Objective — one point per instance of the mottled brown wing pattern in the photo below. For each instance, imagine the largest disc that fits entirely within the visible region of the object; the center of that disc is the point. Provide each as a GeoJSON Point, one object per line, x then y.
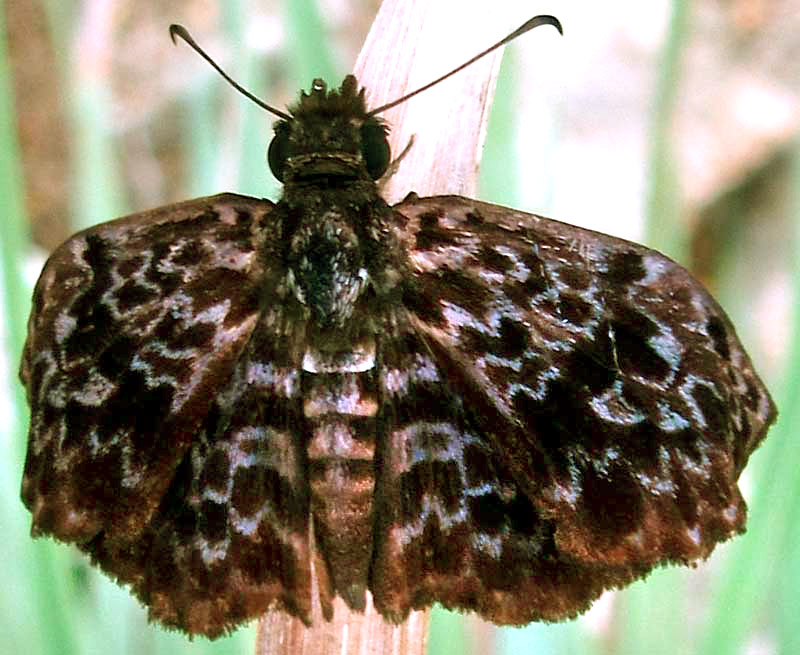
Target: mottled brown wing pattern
{"type": "Point", "coordinates": [564, 411]}
{"type": "Point", "coordinates": [162, 428]}
{"type": "Point", "coordinates": [446, 401]}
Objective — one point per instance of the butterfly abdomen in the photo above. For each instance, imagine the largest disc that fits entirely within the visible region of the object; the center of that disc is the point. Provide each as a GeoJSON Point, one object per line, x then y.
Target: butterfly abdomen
{"type": "Point", "coordinates": [340, 406]}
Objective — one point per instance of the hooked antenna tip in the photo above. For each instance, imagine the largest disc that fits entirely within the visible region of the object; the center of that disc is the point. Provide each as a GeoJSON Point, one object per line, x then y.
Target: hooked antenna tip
{"type": "Point", "coordinates": [179, 30]}
{"type": "Point", "coordinates": [536, 21]}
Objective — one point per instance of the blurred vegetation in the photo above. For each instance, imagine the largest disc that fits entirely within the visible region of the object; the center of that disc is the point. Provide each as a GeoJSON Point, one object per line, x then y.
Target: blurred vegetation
{"type": "Point", "coordinates": [178, 139]}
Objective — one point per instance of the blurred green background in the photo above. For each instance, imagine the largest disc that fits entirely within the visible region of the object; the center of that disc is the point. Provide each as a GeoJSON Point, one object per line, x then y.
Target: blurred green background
{"type": "Point", "coordinates": [101, 116]}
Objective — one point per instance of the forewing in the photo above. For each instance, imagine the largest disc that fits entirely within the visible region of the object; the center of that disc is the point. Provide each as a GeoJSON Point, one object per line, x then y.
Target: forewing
{"type": "Point", "coordinates": [610, 395]}
{"type": "Point", "coordinates": [149, 444]}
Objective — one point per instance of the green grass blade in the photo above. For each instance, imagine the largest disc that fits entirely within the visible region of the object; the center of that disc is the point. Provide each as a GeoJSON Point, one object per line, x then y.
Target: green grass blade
{"type": "Point", "coordinates": [446, 634]}
{"type": "Point", "coordinates": [311, 51]}
{"type": "Point", "coordinates": [97, 187]}
{"type": "Point", "coordinates": [759, 585]}
{"type": "Point", "coordinates": [788, 604]}
{"type": "Point", "coordinates": [251, 138]}
{"type": "Point", "coordinates": [32, 614]}
{"type": "Point", "coordinates": [499, 177]}
{"type": "Point", "coordinates": [664, 228]}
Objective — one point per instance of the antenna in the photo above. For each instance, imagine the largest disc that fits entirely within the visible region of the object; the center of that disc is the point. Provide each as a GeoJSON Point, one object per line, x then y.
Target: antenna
{"type": "Point", "coordinates": [536, 21]}
{"type": "Point", "coordinates": [181, 32]}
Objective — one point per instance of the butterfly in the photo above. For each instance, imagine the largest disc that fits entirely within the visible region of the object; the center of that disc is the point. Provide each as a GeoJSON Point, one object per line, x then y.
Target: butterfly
{"type": "Point", "coordinates": [442, 400]}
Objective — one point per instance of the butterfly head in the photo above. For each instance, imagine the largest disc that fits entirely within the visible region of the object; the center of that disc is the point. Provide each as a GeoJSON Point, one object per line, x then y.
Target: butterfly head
{"type": "Point", "coordinates": [330, 134]}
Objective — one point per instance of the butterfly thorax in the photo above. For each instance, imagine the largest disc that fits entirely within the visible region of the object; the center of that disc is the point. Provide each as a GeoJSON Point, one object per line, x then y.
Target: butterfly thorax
{"type": "Point", "coordinates": [328, 156]}
{"type": "Point", "coordinates": [326, 268]}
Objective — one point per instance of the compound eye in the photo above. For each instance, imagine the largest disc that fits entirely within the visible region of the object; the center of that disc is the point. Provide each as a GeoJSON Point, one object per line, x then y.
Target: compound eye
{"type": "Point", "coordinates": [375, 149]}
{"type": "Point", "coordinates": [278, 153]}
